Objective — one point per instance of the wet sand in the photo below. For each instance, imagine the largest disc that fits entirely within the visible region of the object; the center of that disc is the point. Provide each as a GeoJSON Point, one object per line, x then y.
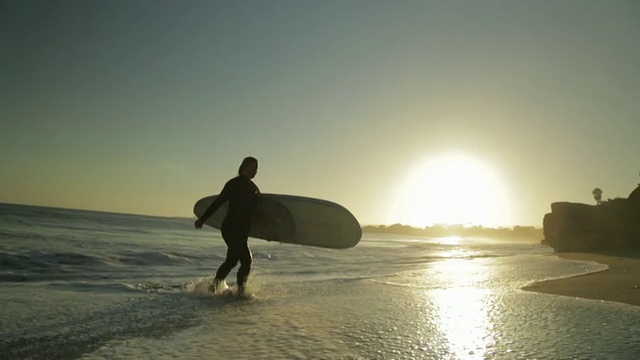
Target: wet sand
{"type": "Point", "coordinates": [620, 283]}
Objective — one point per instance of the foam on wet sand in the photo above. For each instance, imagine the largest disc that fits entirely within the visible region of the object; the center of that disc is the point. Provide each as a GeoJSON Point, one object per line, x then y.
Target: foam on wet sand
{"type": "Point", "coordinates": [619, 283]}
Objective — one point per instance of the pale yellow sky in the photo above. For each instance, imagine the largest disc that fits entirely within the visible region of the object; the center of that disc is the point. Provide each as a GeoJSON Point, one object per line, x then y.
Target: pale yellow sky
{"type": "Point", "coordinates": [141, 107]}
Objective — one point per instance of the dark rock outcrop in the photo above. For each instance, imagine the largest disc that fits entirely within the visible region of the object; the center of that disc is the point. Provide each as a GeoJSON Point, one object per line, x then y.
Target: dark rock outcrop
{"type": "Point", "coordinates": [581, 227]}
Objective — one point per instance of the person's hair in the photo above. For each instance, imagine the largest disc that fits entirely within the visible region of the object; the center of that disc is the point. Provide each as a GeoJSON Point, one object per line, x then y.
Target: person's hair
{"type": "Point", "coordinates": [246, 161]}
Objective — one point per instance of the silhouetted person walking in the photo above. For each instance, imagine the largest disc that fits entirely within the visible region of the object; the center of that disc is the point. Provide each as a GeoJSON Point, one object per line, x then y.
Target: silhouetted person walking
{"type": "Point", "coordinates": [242, 195]}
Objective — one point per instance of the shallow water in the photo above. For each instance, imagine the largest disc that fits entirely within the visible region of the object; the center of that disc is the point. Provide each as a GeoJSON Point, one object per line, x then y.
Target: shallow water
{"type": "Point", "coordinates": [95, 285]}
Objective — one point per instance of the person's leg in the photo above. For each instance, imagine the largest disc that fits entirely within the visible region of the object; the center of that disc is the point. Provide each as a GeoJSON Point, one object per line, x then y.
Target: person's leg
{"type": "Point", "coordinates": [244, 254]}
{"type": "Point", "coordinates": [230, 261]}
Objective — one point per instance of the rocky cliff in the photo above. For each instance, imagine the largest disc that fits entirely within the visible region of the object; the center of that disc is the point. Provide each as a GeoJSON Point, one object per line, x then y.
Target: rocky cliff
{"type": "Point", "coordinates": [581, 227]}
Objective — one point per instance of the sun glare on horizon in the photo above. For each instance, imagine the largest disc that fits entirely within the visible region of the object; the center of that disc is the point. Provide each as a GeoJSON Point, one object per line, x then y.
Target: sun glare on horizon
{"type": "Point", "coordinates": [451, 189]}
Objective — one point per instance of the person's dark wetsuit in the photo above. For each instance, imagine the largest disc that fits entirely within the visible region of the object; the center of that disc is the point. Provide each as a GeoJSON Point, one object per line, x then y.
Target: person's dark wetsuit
{"type": "Point", "coordinates": [242, 195]}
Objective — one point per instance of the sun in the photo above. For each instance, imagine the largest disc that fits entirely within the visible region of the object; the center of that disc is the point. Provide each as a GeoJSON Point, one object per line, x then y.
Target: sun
{"type": "Point", "coordinates": [451, 189]}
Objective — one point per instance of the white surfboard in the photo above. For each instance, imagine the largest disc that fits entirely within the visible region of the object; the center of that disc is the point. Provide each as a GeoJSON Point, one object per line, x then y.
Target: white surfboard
{"type": "Point", "coordinates": [295, 220]}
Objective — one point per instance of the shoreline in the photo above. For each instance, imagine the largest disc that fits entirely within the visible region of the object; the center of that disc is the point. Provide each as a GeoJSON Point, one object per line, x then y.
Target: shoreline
{"type": "Point", "coordinates": [619, 283]}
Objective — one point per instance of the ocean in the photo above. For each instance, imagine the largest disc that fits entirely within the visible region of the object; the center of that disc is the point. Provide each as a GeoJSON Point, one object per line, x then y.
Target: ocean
{"type": "Point", "coordinates": [92, 285]}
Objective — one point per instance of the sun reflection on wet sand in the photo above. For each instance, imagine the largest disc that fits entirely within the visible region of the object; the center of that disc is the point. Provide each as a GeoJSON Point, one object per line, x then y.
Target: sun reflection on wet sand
{"type": "Point", "coordinates": [463, 308]}
{"type": "Point", "coordinates": [450, 240]}
{"type": "Point", "coordinates": [463, 319]}
{"type": "Point", "coordinates": [460, 272]}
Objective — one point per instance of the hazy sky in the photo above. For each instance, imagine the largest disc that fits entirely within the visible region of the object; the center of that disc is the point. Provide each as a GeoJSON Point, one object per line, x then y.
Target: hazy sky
{"type": "Point", "coordinates": [146, 106]}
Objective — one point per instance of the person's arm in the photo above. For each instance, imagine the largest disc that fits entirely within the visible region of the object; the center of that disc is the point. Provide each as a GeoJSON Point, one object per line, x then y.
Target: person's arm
{"type": "Point", "coordinates": [215, 205]}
